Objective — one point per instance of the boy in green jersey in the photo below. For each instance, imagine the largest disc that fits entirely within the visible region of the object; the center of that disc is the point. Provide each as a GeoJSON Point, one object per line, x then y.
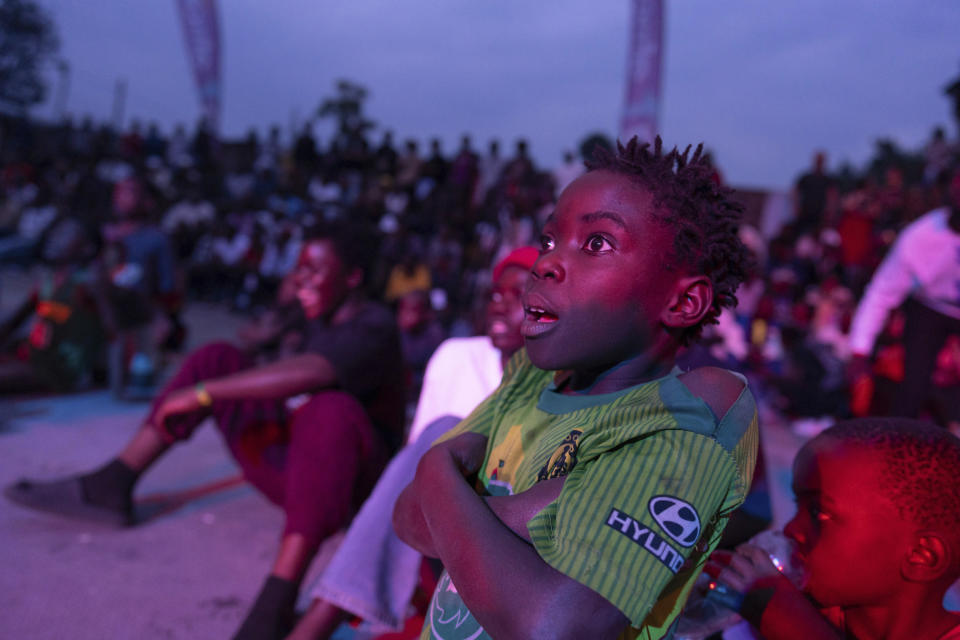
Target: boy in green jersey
{"type": "Point", "coordinates": [606, 475]}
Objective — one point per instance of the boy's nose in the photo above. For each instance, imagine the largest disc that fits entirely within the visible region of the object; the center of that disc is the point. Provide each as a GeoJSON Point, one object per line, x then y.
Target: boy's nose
{"type": "Point", "coordinates": [548, 266]}
{"type": "Point", "coordinates": [793, 531]}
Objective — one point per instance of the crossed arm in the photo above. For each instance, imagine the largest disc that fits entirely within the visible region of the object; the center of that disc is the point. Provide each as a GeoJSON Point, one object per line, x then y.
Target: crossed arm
{"type": "Point", "coordinates": [485, 547]}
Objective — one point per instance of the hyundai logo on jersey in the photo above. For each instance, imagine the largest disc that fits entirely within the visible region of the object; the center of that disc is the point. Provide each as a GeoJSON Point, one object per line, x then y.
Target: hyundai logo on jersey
{"type": "Point", "coordinates": [677, 518]}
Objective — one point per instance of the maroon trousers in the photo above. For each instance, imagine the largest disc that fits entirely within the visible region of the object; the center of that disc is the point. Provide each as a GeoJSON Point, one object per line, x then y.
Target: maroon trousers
{"type": "Point", "coordinates": [317, 462]}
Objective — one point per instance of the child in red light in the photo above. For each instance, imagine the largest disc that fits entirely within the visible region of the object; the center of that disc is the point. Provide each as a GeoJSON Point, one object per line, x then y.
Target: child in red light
{"type": "Point", "coordinates": [877, 531]}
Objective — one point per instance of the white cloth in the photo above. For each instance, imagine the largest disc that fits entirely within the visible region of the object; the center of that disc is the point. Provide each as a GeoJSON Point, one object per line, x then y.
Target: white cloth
{"type": "Point", "coordinates": [278, 261]}
{"type": "Point", "coordinates": [35, 220]}
{"type": "Point", "coordinates": [460, 374]}
{"type": "Point", "coordinates": [733, 339]}
{"type": "Point", "coordinates": [923, 263]}
{"type": "Point", "coordinates": [231, 250]}
{"type": "Point", "coordinates": [188, 214]}
{"type": "Point", "coordinates": [322, 191]}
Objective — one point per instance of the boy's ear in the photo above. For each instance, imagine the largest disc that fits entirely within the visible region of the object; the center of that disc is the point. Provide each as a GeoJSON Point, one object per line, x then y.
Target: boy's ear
{"type": "Point", "coordinates": [928, 558]}
{"type": "Point", "coordinates": [689, 303]}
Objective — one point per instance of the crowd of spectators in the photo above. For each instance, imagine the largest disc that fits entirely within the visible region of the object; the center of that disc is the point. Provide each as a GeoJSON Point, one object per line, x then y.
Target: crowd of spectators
{"type": "Point", "coordinates": [791, 329]}
{"type": "Point", "coordinates": [188, 217]}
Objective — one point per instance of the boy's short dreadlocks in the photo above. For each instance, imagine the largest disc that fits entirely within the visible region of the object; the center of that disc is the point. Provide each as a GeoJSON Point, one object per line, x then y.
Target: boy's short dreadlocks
{"type": "Point", "coordinates": [703, 216]}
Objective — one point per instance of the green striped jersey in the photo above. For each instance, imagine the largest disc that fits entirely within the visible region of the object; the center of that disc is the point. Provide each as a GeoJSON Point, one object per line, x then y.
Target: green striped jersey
{"type": "Point", "coordinates": [651, 479]}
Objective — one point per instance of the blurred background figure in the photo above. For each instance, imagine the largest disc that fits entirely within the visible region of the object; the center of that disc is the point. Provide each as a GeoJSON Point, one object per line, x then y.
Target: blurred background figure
{"type": "Point", "coordinates": [923, 269]}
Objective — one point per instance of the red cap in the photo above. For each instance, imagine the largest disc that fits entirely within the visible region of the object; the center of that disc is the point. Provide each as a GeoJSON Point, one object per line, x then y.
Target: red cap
{"type": "Point", "coordinates": [524, 257]}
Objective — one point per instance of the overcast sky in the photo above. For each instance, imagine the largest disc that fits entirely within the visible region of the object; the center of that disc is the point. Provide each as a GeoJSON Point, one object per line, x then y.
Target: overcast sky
{"type": "Point", "coordinates": [762, 83]}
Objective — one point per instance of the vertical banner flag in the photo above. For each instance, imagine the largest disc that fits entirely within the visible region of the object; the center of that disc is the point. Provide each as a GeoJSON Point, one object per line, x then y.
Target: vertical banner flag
{"type": "Point", "coordinates": [202, 33]}
{"type": "Point", "coordinates": [642, 104]}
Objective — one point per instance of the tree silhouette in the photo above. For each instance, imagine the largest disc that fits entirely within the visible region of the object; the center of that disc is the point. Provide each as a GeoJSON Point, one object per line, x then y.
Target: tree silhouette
{"type": "Point", "coordinates": [887, 154]}
{"type": "Point", "coordinates": [590, 143]}
{"type": "Point", "coordinates": [346, 108]}
{"type": "Point", "coordinates": [28, 40]}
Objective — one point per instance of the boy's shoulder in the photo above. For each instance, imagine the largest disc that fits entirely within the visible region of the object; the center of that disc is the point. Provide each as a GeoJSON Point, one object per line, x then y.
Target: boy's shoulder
{"type": "Point", "coordinates": [718, 388]}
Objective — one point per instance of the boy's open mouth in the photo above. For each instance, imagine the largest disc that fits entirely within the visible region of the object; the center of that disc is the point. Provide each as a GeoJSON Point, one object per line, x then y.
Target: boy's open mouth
{"type": "Point", "coordinates": [537, 321]}
{"type": "Point", "coordinates": [539, 314]}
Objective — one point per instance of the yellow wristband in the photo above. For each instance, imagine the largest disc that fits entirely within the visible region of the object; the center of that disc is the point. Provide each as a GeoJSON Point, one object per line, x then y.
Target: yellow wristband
{"type": "Point", "coordinates": [203, 396]}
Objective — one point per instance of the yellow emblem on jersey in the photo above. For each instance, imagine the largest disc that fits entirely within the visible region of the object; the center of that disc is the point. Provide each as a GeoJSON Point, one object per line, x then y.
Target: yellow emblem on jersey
{"type": "Point", "coordinates": [504, 460]}
{"type": "Point", "coordinates": [563, 459]}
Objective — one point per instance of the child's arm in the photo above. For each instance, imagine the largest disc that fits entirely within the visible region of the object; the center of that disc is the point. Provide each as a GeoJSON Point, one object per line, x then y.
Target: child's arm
{"type": "Point", "coordinates": [517, 510]}
{"type": "Point", "coordinates": [771, 602]}
{"type": "Point", "coordinates": [490, 564]}
{"type": "Point", "coordinates": [513, 511]}
{"type": "Point", "coordinates": [408, 520]}
{"type": "Point", "coordinates": [305, 373]}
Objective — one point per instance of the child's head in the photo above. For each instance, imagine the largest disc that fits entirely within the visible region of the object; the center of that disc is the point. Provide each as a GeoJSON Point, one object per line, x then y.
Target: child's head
{"type": "Point", "coordinates": [641, 251]}
{"type": "Point", "coordinates": [878, 511]}
{"type": "Point", "coordinates": [414, 311]}
{"type": "Point", "coordinates": [504, 313]}
{"type": "Point", "coordinates": [333, 263]}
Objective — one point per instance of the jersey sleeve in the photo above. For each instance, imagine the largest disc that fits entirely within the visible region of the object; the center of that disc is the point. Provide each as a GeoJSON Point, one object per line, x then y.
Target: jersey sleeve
{"type": "Point", "coordinates": [627, 521]}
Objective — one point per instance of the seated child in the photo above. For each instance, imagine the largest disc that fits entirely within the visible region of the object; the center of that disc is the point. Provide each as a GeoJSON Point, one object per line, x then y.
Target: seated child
{"type": "Point", "coordinates": [373, 574]}
{"type": "Point", "coordinates": [624, 469]}
{"type": "Point", "coordinates": [877, 532]}
{"type": "Point", "coordinates": [420, 335]}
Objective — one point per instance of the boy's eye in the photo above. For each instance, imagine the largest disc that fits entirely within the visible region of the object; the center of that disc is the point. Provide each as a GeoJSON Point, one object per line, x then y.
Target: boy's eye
{"type": "Point", "coordinates": [817, 513]}
{"type": "Point", "coordinates": [597, 244]}
{"type": "Point", "coordinates": [546, 243]}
